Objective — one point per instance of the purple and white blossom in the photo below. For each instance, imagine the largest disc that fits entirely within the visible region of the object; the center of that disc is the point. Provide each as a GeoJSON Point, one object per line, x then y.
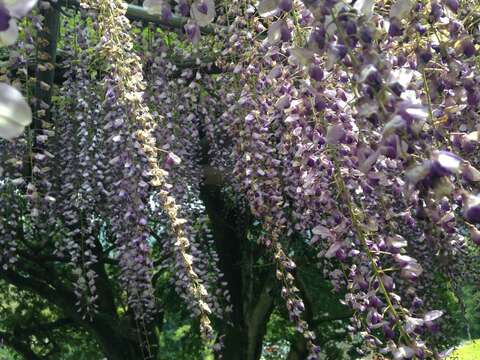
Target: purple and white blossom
{"type": "Point", "coordinates": [10, 12]}
{"type": "Point", "coordinates": [15, 113]}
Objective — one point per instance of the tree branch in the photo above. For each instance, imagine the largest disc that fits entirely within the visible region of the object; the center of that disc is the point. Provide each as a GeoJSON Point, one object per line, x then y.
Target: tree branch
{"type": "Point", "coordinates": [59, 323]}
{"type": "Point", "coordinates": [12, 341]}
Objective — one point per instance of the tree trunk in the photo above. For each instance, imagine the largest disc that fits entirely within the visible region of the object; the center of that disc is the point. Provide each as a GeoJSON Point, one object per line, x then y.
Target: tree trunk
{"type": "Point", "coordinates": [250, 291]}
{"type": "Point", "coordinates": [298, 349]}
{"type": "Point", "coordinates": [117, 338]}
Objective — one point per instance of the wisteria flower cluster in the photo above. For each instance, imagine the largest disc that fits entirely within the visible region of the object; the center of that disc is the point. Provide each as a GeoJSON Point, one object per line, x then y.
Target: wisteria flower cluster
{"type": "Point", "coordinates": [349, 128]}
{"type": "Point", "coordinates": [350, 113]}
{"type": "Point", "coordinates": [200, 14]}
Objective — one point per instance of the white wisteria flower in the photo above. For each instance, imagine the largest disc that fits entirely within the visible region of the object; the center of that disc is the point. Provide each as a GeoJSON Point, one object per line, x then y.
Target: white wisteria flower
{"type": "Point", "coordinates": [401, 9]}
{"type": "Point", "coordinates": [364, 7]}
{"type": "Point", "coordinates": [203, 12]}
{"type": "Point", "coordinates": [10, 10]}
{"type": "Point", "coordinates": [154, 7]}
{"type": "Point", "coordinates": [15, 114]}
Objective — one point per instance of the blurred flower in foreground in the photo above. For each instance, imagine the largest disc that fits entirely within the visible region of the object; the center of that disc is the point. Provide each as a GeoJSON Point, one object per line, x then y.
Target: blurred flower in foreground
{"type": "Point", "coordinates": [15, 113]}
{"type": "Point", "coordinates": [10, 10]}
{"type": "Point", "coordinates": [154, 7]}
{"type": "Point", "coordinates": [203, 12]}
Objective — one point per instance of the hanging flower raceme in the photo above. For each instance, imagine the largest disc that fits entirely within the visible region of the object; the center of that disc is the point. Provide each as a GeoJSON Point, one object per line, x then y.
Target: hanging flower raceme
{"type": "Point", "coordinates": [137, 160]}
{"type": "Point", "coordinates": [472, 208]}
{"type": "Point", "coordinates": [201, 12]}
{"type": "Point", "coordinates": [256, 129]}
{"type": "Point", "coordinates": [336, 129]}
{"type": "Point", "coordinates": [378, 90]}
{"type": "Point", "coordinates": [78, 145]}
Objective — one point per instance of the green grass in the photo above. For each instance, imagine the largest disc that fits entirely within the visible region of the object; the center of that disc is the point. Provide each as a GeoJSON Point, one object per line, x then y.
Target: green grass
{"type": "Point", "coordinates": [468, 351]}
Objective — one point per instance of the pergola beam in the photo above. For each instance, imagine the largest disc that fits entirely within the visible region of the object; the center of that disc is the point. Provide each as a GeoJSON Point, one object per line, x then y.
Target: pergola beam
{"type": "Point", "coordinates": [138, 13]}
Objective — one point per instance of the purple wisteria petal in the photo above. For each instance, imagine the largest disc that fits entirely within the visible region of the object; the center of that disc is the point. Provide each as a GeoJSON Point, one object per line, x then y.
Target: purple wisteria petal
{"type": "Point", "coordinates": [184, 8]}
{"type": "Point", "coordinates": [172, 160]}
{"type": "Point", "coordinates": [396, 123]}
{"type": "Point", "coordinates": [275, 31]}
{"type": "Point", "coordinates": [474, 235]}
{"type": "Point", "coordinates": [203, 12]}
{"type": "Point", "coordinates": [302, 56]}
{"type": "Point", "coordinates": [453, 5]}
{"type": "Point", "coordinates": [412, 323]}
{"type": "Point", "coordinates": [468, 48]}
{"type": "Point", "coordinates": [411, 271]}
{"type": "Point", "coordinates": [433, 315]}
{"type": "Point", "coordinates": [397, 242]}
{"type": "Point", "coordinates": [403, 352]}
{"type": "Point", "coordinates": [470, 173]}
{"type": "Point", "coordinates": [267, 8]}
{"type": "Point", "coordinates": [322, 231]}
{"type": "Point", "coordinates": [335, 133]}
{"type": "Point", "coordinates": [364, 7]}
{"type": "Point", "coordinates": [285, 5]}
{"type": "Point", "coordinates": [447, 161]}
{"type": "Point", "coordinates": [471, 208]}
{"type": "Point", "coordinates": [193, 32]}
{"type": "Point", "coordinates": [4, 18]}
{"type": "Point", "coordinates": [402, 76]}
{"type": "Point", "coordinates": [401, 8]}
{"type": "Point", "coordinates": [333, 249]}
